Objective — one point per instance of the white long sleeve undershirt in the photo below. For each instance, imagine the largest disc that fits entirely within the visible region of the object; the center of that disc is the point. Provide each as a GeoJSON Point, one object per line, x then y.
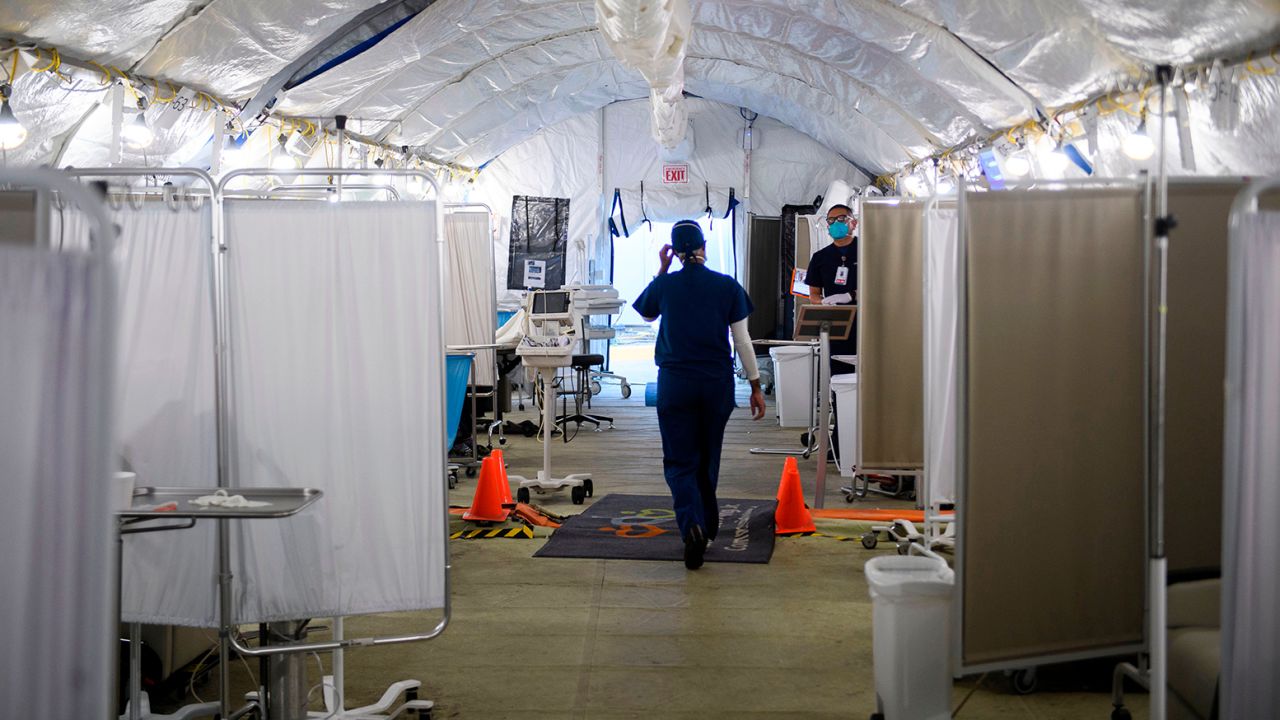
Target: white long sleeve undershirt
{"type": "Point", "coordinates": [746, 353]}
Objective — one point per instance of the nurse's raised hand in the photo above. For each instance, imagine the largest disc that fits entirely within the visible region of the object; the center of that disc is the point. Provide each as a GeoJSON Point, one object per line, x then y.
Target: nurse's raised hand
{"type": "Point", "coordinates": [664, 259]}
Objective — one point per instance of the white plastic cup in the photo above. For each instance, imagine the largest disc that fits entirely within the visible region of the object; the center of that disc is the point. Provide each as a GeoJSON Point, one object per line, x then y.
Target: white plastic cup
{"type": "Point", "coordinates": [122, 490]}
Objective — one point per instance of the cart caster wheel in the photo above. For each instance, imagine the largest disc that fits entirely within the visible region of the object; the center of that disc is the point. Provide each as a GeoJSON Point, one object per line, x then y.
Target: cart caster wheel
{"type": "Point", "coordinates": [626, 391]}
{"type": "Point", "coordinates": [1025, 681]}
{"type": "Point", "coordinates": [804, 439]}
{"type": "Point", "coordinates": [453, 481]}
{"type": "Point", "coordinates": [502, 441]}
{"type": "Point", "coordinates": [471, 472]}
{"type": "Point", "coordinates": [877, 716]}
{"type": "Point", "coordinates": [869, 540]}
{"type": "Point", "coordinates": [1121, 713]}
{"type": "Point", "coordinates": [522, 495]}
{"type": "Point", "coordinates": [595, 387]}
{"type": "Point", "coordinates": [578, 494]}
{"type": "Point", "coordinates": [849, 497]}
{"type": "Point", "coordinates": [904, 548]}
{"type": "Point", "coordinates": [589, 487]}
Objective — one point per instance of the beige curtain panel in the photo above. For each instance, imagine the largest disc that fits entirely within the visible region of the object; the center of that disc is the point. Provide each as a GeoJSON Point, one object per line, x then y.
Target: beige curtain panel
{"type": "Point", "coordinates": [891, 343]}
{"type": "Point", "coordinates": [1054, 516]}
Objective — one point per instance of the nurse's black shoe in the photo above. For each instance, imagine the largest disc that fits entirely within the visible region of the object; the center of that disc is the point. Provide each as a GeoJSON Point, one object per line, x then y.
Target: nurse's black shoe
{"type": "Point", "coordinates": [695, 545]}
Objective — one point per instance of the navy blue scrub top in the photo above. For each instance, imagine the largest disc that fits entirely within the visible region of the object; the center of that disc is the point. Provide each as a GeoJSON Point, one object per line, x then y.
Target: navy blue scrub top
{"type": "Point", "coordinates": [824, 265]}
{"type": "Point", "coordinates": [821, 273]}
{"type": "Point", "coordinates": [697, 306]}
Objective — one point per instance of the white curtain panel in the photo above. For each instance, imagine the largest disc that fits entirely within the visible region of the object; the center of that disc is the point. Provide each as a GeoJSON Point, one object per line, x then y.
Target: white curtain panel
{"type": "Point", "coordinates": [469, 287]}
{"type": "Point", "coordinates": [336, 356]}
{"type": "Point", "coordinates": [57, 553]}
{"type": "Point", "coordinates": [941, 362]}
{"type": "Point", "coordinates": [1251, 563]}
{"type": "Point", "coordinates": [165, 394]}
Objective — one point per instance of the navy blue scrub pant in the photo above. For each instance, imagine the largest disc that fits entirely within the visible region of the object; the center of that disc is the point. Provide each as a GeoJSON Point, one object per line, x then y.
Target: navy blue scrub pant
{"type": "Point", "coordinates": [692, 413]}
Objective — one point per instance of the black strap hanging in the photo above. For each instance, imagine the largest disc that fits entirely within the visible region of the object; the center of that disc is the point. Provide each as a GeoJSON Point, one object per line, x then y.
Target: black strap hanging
{"type": "Point", "coordinates": [711, 224]}
{"type": "Point", "coordinates": [732, 211]}
{"type": "Point", "coordinates": [644, 214]}
{"type": "Point", "coordinates": [621, 213]}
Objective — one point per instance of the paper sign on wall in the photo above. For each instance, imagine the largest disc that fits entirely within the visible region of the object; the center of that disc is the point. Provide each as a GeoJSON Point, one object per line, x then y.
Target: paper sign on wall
{"type": "Point", "coordinates": [675, 173]}
{"type": "Point", "coordinates": [535, 273]}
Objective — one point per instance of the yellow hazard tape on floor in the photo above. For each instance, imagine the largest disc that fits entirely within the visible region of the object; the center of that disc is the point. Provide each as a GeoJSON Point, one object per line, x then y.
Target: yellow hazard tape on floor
{"type": "Point", "coordinates": [492, 533]}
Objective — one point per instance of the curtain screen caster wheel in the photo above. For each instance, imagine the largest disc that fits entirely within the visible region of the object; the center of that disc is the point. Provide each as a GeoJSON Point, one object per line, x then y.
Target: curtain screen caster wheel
{"type": "Point", "coordinates": [502, 441]}
{"type": "Point", "coordinates": [626, 391]}
{"type": "Point", "coordinates": [578, 494]}
{"type": "Point", "coordinates": [589, 488]}
{"type": "Point", "coordinates": [877, 716]}
{"type": "Point", "coordinates": [904, 548]}
{"type": "Point", "coordinates": [471, 472]}
{"type": "Point", "coordinates": [804, 439]}
{"type": "Point", "coordinates": [1025, 681]}
{"type": "Point", "coordinates": [1121, 713]}
{"type": "Point", "coordinates": [453, 482]}
{"type": "Point", "coordinates": [869, 540]}
{"type": "Point", "coordinates": [522, 495]}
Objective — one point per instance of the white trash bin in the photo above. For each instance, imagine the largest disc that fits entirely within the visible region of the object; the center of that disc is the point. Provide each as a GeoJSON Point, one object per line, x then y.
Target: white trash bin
{"type": "Point", "coordinates": [845, 388]}
{"type": "Point", "coordinates": [793, 387]}
{"type": "Point", "coordinates": [910, 638]}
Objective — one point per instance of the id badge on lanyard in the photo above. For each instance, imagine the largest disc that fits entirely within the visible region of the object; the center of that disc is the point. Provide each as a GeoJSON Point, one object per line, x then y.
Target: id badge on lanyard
{"type": "Point", "coordinates": [842, 275]}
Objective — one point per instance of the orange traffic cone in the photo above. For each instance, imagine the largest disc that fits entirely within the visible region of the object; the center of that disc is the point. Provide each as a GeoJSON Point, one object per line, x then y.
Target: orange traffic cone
{"type": "Point", "coordinates": [792, 515]}
{"type": "Point", "coordinates": [505, 485]}
{"type": "Point", "coordinates": [486, 506]}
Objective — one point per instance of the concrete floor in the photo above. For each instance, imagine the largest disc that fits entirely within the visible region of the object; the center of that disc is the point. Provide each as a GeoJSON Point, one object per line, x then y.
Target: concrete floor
{"type": "Point", "coordinates": [552, 638]}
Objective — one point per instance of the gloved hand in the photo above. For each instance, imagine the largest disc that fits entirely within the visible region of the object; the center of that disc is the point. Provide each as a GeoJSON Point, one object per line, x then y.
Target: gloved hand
{"type": "Point", "coordinates": [841, 299]}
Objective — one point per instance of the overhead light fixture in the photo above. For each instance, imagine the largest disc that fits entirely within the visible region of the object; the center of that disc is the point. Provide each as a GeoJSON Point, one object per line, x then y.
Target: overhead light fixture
{"type": "Point", "coordinates": [137, 134]}
{"type": "Point", "coordinates": [282, 159]}
{"type": "Point", "coordinates": [1017, 165]}
{"type": "Point", "coordinates": [333, 196]}
{"type": "Point", "coordinates": [12, 133]}
{"type": "Point", "coordinates": [1138, 145]}
{"type": "Point", "coordinates": [1055, 162]}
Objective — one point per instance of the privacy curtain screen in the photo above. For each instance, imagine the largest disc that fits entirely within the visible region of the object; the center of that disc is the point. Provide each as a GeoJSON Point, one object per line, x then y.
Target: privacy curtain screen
{"type": "Point", "coordinates": [336, 358]}
{"type": "Point", "coordinates": [539, 231]}
{"type": "Point", "coordinates": [165, 395]}
{"type": "Point", "coordinates": [890, 344]}
{"type": "Point", "coordinates": [56, 529]}
{"type": "Point", "coordinates": [469, 287]}
{"type": "Point", "coordinates": [1053, 527]}
{"type": "Point", "coordinates": [942, 287]}
{"type": "Point", "coordinates": [1251, 563]}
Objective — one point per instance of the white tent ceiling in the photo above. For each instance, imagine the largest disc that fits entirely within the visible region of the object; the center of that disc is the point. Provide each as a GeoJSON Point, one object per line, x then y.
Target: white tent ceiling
{"type": "Point", "coordinates": [881, 82]}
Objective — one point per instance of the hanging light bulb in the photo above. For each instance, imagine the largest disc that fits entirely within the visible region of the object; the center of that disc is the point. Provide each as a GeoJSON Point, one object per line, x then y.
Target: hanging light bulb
{"type": "Point", "coordinates": [12, 133]}
{"type": "Point", "coordinates": [282, 159]}
{"type": "Point", "coordinates": [333, 196]}
{"type": "Point", "coordinates": [1017, 165]}
{"type": "Point", "coordinates": [137, 134]}
{"type": "Point", "coordinates": [1138, 145]}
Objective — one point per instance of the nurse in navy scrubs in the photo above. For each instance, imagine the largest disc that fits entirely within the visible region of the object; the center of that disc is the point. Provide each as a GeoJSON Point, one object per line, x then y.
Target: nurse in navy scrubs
{"type": "Point", "coordinates": [700, 309]}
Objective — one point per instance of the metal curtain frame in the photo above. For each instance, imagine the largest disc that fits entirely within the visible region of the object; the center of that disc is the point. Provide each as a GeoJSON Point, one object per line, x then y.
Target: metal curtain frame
{"type": "Point", "coordinates": [1246, 203]}
{"type": "Point", "coordinates": [135, 640]}
{"type": "Point", "coordinates": [102, 242]}
{"type": "Point", "coordinates": [917, 473]}
{"type": "Point", "coordinates": [962, 437]}
{"type": "Point", "coordinates": [924, 482]}
{"type": "Point", "coordinates": [492, 316]}
{"type": "Point", "coordinates": [223, 536]}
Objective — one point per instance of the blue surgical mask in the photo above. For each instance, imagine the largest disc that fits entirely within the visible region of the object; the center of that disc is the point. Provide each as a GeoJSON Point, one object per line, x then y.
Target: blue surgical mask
{"type": "Point", "coordinates": [838, 230]}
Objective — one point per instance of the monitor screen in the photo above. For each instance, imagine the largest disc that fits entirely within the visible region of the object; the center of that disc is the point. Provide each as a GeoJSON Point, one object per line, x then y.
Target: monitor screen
{"type": "Point", "coordinates": [550, 303]}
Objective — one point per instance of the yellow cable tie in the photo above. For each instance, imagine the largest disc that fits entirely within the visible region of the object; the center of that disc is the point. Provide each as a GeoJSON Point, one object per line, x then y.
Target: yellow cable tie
{"type": "Point", "coordinates": [1261, 70]}
{"type": "Point", "coordinates": [13, 72]}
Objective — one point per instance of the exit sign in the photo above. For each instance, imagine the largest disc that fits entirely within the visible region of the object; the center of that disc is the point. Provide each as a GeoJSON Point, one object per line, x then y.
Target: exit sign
{"type": "Point", "coordinates": [675, 174]}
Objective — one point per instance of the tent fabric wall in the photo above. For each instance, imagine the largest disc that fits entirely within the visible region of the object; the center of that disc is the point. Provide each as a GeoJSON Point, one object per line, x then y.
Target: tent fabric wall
{"type": "Point", "coordinates": [564, 161]}
{"type": "Point", "coordinates": [943, 285]}
{"type": "Point", "coordinates": [890, 336]}
{"type": "Point", "coordinates": [472, 317]}
{"type": "Point", "coordinates": [336, 363]}
{"type": "Point", "coordinates": [1251, 566]}
{"type": "Point", "coordinates": [56, 525]}
{"type": "Point", "coordinates": [1053, 426]}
